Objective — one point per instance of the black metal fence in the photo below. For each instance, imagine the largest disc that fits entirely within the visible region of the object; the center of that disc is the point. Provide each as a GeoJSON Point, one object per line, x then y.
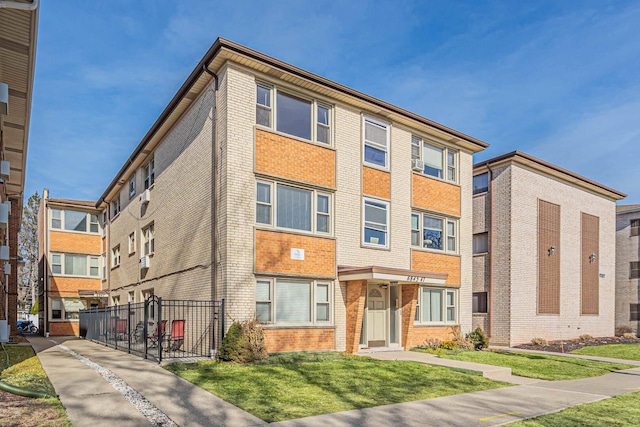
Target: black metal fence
{"type": "Point", "coordinates": [158, 328]}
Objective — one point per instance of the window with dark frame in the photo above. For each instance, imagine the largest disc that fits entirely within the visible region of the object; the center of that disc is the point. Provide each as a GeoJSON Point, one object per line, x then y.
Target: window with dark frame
{"type": "Point", "coordinates": [479, 302]}
{"type": "Point", "coordinates": [635, 227]}
{"type": "Point", "coordinates": [634, 310]}
{"type": "Point", "coordinates": [634, 267]}
{"type": "Point", "coordinates": [481, 183]}
{"type": "Point", "coordinates": [481, 243]}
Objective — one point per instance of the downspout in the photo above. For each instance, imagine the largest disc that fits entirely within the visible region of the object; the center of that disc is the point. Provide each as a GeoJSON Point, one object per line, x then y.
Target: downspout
{"type": "Point", "coordinates": [489, 243]}
{"type": "Point", "coordinates": [21, 6]}
{"type": "Point", "coordinates": [214, 185]}
{"type": "Point", "coordinates": [45, 262]}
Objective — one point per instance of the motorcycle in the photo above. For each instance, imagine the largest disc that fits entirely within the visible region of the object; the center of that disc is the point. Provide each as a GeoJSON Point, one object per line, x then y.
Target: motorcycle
{"type": "Point", "coordinates": [27, 326]}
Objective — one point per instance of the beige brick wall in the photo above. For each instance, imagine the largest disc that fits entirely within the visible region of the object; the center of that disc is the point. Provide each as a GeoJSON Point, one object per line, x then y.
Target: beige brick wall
{"type": "Point", "coordinates": [627, 250]}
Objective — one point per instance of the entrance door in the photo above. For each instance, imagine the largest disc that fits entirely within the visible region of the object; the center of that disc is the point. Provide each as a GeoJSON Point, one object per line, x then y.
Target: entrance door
{"type": "Point", "coordinates": [376, 317]}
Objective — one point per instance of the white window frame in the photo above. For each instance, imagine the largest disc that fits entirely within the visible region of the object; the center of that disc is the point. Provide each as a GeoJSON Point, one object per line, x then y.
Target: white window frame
{"type": "Point", "coordinates": [115, 207]}
{"type": "Point", "coordinates": [104, 222]}
{"type": "Point", "coordinates": [62, 264]}
{"type": "Point", "coordinates": [149, 173]}
{"type": "Point", "coordinates": [115, 256]}
{"type": "Point", "coordinates": [374, 145]}
{"type": "Point", "coordinates": [273, 206]}
{"type": "Point", "coordinates": [313, 301]}
{"type": "Point", "coordinates": [445, 232]}
{"type": "Point", "coordinates": [443, 310]}
{"type": "Point", "coordinates": [104, 266]}
{"type": "Point", "coordinates": [148, 240]}
{"type": "Point", "coordinates": [62, 219]}
{"type": "Point", "coordinates": [273, 113]}
{"type": "Point", "coordinates": [419, 143]}
{"type": "Point", "coordinates": [132, 243]}
{"type": "Point", "coordinates": [132, 186]}
{"type": "Point", "coordinates": [387, 233]}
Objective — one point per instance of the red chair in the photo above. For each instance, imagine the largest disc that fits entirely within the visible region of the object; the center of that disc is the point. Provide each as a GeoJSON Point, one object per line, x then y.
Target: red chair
{"type": "Point", "coordinates": [121, 328]}
{"type": "Point", "coordinates": [153, 338]}
{"type": "Point", "coordinates": [176, 337]}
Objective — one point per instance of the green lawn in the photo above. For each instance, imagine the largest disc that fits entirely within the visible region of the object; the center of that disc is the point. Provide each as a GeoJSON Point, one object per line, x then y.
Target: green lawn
{"type": "Point", "coordinates": [618, 351]}
{"type": "Point", "coordinates": [296, 385]}
{"type": "Point", "coordinates": [540, 366]}
{"type": "Point", "coordinates": [622, 410]}
{"type": "Point", "coordinates": [25, 370]}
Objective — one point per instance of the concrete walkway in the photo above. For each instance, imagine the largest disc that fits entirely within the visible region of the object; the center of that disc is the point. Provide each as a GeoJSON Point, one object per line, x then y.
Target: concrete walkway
{"type": "Point", "coordinates": [92, 401]}
{"type": "Point", "coordinates": [577, 356]}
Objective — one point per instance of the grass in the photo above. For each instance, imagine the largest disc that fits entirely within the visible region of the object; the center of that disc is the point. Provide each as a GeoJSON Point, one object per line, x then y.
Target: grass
{"type": "Point", "coordinates": [296, 385]}
{"type": "Point", "coordinates": [540, 366]}
{"type": "Point", "coordinates": [621, 410]}
{"type": "Point", "coordinates": [618, 351]}
{"type": "Point", "coordinates": [25, 371]}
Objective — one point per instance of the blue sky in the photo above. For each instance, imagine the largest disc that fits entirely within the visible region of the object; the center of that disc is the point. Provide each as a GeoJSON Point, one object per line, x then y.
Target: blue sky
{"type": "Point", "coordinates": [557, 80]}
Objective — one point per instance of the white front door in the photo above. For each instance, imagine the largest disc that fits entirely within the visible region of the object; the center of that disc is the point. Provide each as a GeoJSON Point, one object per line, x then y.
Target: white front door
{"type": "Point", "coordinates": [376, 316]}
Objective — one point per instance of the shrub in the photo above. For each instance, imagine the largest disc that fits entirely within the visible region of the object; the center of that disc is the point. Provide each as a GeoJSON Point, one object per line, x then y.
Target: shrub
{"type": "Point", "coordinates": [586, 337]}
{"type": "Point", "coordinates": [430, 343]}
{"type": "Point", "coordinates": [243, 343]}
{"type": "Point", "coordinates": [449, 345]}
{"type": "Point", "coordinates": [630, 335]}
{"type": "Point", "coordinates": [621, 330]}
{"type": "Point", "coordinates": [462, 342]}
{"type": "Point", "coordinates": [539, 341]}
{"type": "Point", "coordinates": [479, 338]}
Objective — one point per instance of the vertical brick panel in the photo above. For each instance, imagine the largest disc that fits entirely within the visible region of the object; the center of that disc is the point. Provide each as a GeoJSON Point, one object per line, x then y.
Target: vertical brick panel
{"type": "Point", "coordinates": [589, 295]}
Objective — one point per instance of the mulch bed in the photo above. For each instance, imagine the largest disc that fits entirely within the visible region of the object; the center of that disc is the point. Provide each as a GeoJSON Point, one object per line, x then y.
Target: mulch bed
{"type": "Point", "coordinates": [567, 346]}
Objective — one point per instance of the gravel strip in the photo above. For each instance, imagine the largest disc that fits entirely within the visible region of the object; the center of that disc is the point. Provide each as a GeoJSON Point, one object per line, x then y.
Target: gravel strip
{"type": "Point", "coordinates": [155, 416]}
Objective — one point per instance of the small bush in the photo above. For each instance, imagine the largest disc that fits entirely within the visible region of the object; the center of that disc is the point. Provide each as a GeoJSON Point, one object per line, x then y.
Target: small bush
{"type": "Point", "coordinates": [243, 343]}
{"type": "Point", "coordinates": [586, 337]}
{"type": "Point", "coordinates": [630, 335]}
{"type": "Point", "coordinates": [449, 345]}
{"type": "Point", "coordinates": [479, 338]}
{"type": "Point", "coordinates": [621, 330]}
{"type": "Point", "coordinates": [462, 342]}
{"type": "Point", "coordinates": [430, 343]}
{"type": "Point", "coordinates": [539, 341]}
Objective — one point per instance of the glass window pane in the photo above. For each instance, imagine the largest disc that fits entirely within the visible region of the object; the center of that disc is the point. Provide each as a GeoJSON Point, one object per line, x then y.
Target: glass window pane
{"type": "Point", "coordinates": [263, 96]}
{"type": "Point", "coordinates": [263, 116]}
{"type": "Point", "coordinates": [294, 208]}
{"type": "Point", "coordinates": [264, 193]}
{"type": "Point", "coordinates": [294, 116]}
{"type": "Point", "coordinates": [263, 311]}
{"type": "Point", "coordinates": [293, 301]}
{"type": "Point", "coordinates": [322, 134]}
{"type": "Point", "coordinates": [375, 134]}
{"type": "Point", "coordinates": [322, 293]}
{"type": "Point", "coordinates": [415, 148]}
{"type": "Point", "coordinates": [75, 264]}
{"type": "Point", "coordinates": [432, 157]}
{"type": "Point", "coordinates": [263, 214]}
{"type": "Point", "coordinates": [322, 312]}
{"type": "Point", "coordinates": [481, 183]}
{"type": "Point", "coordinates": [432, 233]}
{"type": "Point", "coordinates": [480, 243]}
{"type": "Point", "coordinates": [323, 204]}
{"type": "Point", "coordinates": [415, 220]}
{"type": "Point", "coordinates": [323, 223]}
{"type": "Point", "coordinates": [375, 156]}
{"type": "Point", "coordinates": [323, 115]}
{"type": "Point", "coordinates": [450, 298]}
{"type": "Point", "coordinates": [375, 237]}
{"type": "Point", "coordinates": [376, 213]}
{"type": "Point", "coordinates": [56, 269]}
{"type": "Point", "coordinates": [263, 291]}
{"type": "Point", "coordinates": [56, 218]}
{"type": "Point", "coordinates": [415, 237]}
{"type": "Point", "coordinates": [431, 305]}
{"type": "Point", "coordinates": [75, 221]}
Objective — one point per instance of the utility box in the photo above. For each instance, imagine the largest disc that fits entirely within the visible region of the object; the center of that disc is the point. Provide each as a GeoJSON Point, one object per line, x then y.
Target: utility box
{"type": "Point", "coordinates": [4, 215]}
{"type": "Point", "coordinates": [4, 331]}
{"type": "Point", "coordinates": [4, 253]}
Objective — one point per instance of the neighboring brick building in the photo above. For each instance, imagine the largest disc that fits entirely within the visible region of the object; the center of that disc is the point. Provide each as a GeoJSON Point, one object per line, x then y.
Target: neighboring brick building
{"type": "Point", "coordinates": [317, 208]}
{"type": "Point", "coordinates": [628, 267]}
{"type": "Point", "coordinates": [544, 251]}
{"type": "Point", "coordinates": [69, 246]}
{"type": "Point", "coordinates": [18, 34]}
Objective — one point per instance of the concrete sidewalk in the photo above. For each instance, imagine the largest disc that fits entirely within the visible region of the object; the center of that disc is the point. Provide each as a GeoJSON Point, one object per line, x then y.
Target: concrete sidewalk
{"type": "Point", "coordinates": [576, 356]}
{"type": "Point", "coordinates": [91, 401]}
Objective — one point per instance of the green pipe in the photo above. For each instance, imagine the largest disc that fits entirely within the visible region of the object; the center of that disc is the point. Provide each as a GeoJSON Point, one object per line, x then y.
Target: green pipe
{"type": "Point", "coordinates": [23, 391]}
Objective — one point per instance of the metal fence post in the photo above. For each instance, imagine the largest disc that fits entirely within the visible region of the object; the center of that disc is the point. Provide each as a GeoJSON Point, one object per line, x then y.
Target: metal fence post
{"type": "Point", "coordinates": [160, 331]}
{"type": "Point", "coordinates": [145, 319]}
{"type": "Point", "coordinates": [129, 327]}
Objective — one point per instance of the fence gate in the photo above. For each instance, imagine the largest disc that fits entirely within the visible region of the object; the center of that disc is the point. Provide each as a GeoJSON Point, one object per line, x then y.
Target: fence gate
{"type": "Point", "coordinates": [158, 328]}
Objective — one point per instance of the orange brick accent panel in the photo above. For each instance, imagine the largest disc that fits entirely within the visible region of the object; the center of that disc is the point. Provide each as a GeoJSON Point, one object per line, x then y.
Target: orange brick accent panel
{"type": "Point", "coordinates": [437, 263]}
{"type": "Point", "coordinates": [421, 333]}
{"type": "Point", "coordinates": [409, 297]}
{"type": "Point", "coordinates": [435, 195]}
{"type": "Point", "coordinates": [64, 328]}
{"type": "Point", "coordinates": [356, 295]}
{"type": "Point", "coordinates": [303, 339]}
{"type": "Point", "coordinates": [293, 159]}
{"type": "Point", "coordinates": [273, 254]}
{"type": "Point", "coordinates": [68, 286]}
{"type": "Point", "coordinates": [376, 183]}
{"type": "Point", "coordinates": [75, 243]}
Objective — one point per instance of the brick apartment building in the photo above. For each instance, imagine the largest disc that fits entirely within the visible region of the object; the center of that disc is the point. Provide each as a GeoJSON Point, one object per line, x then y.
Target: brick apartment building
{"type": "Point", "coordinates": [339, 220]}
{"type": "Point", "coordinates": [544, 251]}
{"type": "Point", "coordinates": [628, 267]}
{"type": "Point", "coordinates": [70, 247]}
{"type": "Point", "coordinates": [18, 33]}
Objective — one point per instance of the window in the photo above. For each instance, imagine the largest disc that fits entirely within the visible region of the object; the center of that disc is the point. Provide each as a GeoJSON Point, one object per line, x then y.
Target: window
{"type": "Point", "coordinates": [293, 301]}
{"type": "Point", "coordinates": [115, 207]}
{"type": "Point", "coordinates": [635, 227]}
{"type": "Point", "coordinates": [428, 231]}
{"type": "Point", "coordinates": [479, 302]}
{"type": "Point", "coordinates": [132, 243]}
{"type": "Point", "coordinates": [149, 173]}
{"type": "Point", "coordinates": [439, 162]}
{"type": "Point", "coordinates": [104, 223]}
{"type": "Point", "coordinates": [132, 186]}
{"type": "Point", "coordinates": [634, 311]}
{"type": "Point", "coordinates": [436, 306]}
{"type": "Point", "coordinates": [66, 308]}
{"type": "Point", "coordinates": [75, 265]}
{"type": "Point", "coordinates": [56, 309]}
{"type": "Point", "coordinates": [148, 240]}
{"type": "Point", "coordinates": [56, 219]}
{"type": "Point", "coordinates": [481, 183]}
{"type": "Point", "coordinates": [131, 297]}
{"type": "Point", "coordinates": [376, 222]}
{"type": "Point", "coordinates": [634, 272]}
{"type": "Point", "coordinates": [116, 300]}
{"type": "Point", "coordinates": [94, 226]}
{"type": "Point", "coordinates": [115, 256]}
{"type": "Point", "coordinates": [481, 243]}
{"type": "Point", "coordinates": [297, 116]}
{"type": "Point", "coordinates": [376, 143]}
{"type": "Point", "coordinates": [295, 208]}
{"type": "Point", "coordinates": [104, 266]}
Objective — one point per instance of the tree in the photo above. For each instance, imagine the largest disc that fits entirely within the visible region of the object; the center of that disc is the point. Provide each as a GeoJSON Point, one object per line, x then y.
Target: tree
{"type": "Point", "coordinates": [28, 250]}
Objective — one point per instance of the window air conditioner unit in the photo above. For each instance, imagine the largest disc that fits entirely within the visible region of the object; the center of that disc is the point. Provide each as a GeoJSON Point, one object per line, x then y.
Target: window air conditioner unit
{"type": "Point", "coordinates": [7, 269]}
{"type": "Point", "coordinates": [4, 215]}
{"type": "Point", "coordinates": [145, 197]}
{"type": "Point", "coordinates": [417, 165]}
{"type": "Point", "coordinates": [5, 170]}
{"type": "Point", "coordinates": [4, 253]}
{"type": "Point", "coordinates": [4, 99]}
{"type": "Point", "coordinates": [144, 262]}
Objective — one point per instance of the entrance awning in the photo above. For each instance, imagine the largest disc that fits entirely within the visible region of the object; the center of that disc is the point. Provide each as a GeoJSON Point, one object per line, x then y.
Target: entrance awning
{"type": "Point", "coordinates": [388, 274]}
